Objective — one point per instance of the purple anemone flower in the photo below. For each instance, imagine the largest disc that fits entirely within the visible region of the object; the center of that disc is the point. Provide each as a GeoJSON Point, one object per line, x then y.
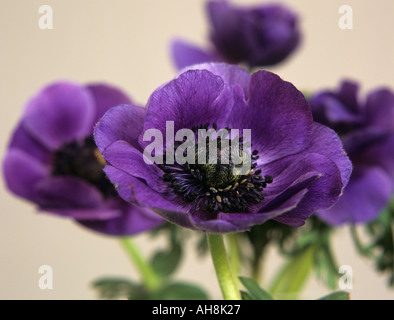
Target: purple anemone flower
{"type": "Point", "coordinates": [257, 36]}
{"type": "Point", "coordinates": [367, 132]}
{"type": "Point", "coordinates": [53, 161]}
{"type": "Point", "coordinates": [297, 166]}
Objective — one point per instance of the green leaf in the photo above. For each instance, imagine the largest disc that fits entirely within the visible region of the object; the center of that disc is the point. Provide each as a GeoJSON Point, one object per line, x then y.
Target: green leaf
{"type": "Point", "coordinates": [254, 290]}
{"type": "Point", "coordinates": [270, 232]}
{"type": "Point", "coordinates": [293, 276]}
{"type": "Point", "coordinates": [325, 265]}
{"type": "Point", "coordinates": [337, 295]}
{"type": "Point", "coordinates": [165, 262]}
{"type": "Point", "coordinates": [180, 291]}
{"type": "Point", "coordinates": [246, 296]}
{"type": "Point", "coordinates": [115, 288]}
{"type": "Point", "coordinates": [380, 247]}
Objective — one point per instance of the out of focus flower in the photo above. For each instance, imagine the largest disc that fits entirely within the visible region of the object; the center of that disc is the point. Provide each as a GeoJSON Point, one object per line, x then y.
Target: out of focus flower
{"type": "Point", "coordinates": [366, 129]}
{"type": "Point", "coordinates": [52, 159]}
{"type": "Point", "coordinates": [263, 35]}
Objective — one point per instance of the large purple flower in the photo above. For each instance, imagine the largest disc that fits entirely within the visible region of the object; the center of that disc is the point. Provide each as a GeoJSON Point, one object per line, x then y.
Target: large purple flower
{"type": "Point", "coordinates": [53, 161]}
{"type": "Point", "coordinates": [257, 36]}
{"type": "Point", "coordinates": [367, 132]}
{"type": "Point", "coordinates": [297, 166]}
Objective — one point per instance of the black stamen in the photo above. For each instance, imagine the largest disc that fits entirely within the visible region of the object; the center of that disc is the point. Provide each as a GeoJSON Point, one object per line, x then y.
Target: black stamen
{"type": "Point", "coordinates": [215, 187]}
{"type": "Point", "coordinates": [83, 160]}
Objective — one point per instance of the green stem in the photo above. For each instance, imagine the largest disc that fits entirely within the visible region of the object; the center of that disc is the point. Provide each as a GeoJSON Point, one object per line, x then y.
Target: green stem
{"type": "Point", "coordinates": [222, 267]}
{"type": "Point", "coordinates": [234, 256]}
{"type": "Point", "coordinates": [149, 277]}
{"type": "Point", "coordinates": [293, 275]}
{"type": "Point", "coordinates": [256, 270]}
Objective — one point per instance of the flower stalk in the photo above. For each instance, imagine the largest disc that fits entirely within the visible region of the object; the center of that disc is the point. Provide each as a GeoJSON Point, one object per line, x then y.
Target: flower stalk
{"type": "Point", "coordinates": [222, 267]}
{"type": "Point", "coordinates": [234, 256]}
{"type": "Point", "coordinates": [149, 277]}
{"type": "Point", "coordinates": [293, 276]}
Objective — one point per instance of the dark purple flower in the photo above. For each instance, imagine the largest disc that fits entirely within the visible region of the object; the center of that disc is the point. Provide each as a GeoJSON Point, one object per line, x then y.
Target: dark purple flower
{"type": "Point", "coordinates": [257, 36]}
{"type": "Point", "coordinates": [298, 166]}
{"type": "Point", "coordinates": [367, 132]}
{"type": "Point", "coordinates": [53, 161]}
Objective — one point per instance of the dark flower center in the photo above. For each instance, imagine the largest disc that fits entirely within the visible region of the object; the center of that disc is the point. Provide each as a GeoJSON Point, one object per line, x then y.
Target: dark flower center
{"type": "Point", "coordinates": [222, 186]}
{"type": "Point", "coordinates": [82, 159]}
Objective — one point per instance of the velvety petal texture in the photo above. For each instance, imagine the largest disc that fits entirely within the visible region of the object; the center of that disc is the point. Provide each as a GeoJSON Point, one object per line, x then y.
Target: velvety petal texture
{"type": "Point", "coordinates": [299, 166]}
{"type": "Point", "coordinates": [128, 118]}
{"type": "Point", "coordinates": [259, 35]}
{"type": "Point", "coordinates": [269, 96]}
{"type": "Point", "coordinates": [366, 129]}
{"type": "Point", "coordinates": [53, 162]}
{"type": "Point", "coordinates": [230, 74]}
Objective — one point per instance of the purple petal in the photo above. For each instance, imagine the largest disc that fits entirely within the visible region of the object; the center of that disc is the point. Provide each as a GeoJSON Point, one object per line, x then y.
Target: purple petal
{"type": "Point", "coordinates": [123, 122]}
{"type": "Point", "coordinates": [323, 191]}
{"type": "Point", "coordinates": [241, 222]}
{"type": "Point", "coordinates": [21, 140]}
{"type": "Point", "coordinates": [232, 75]}
{"type": "Point", "coordinates": [216, 226]}
{"type": "Point", "coordinates": [123, 156]}
{"type": "Point", "coordinates": [22, 172]}
{"type": "Point", "coordinates": [229, 222]}
{"type": "Point", "coordinates": [135, 190]}
{"type": "Point", "coordinates": [348, 92]}
{"type": "Point", "coordinates": [122, 182]}
{"type": "Point", "coordinates": [185, 54]}
{"type": "Point", "coordinates": [336, 111]}
{"type": "Point", "coordinates": [326, 142]}
{"type": "Point", "coordinates": [225, 32]}
{"type": "Point", "coordinates": [131, 220]}
{"type": "Point", "coordinates": [106, 97]}
{"type": "Point", "coordinates": [274, 197]}
{"type": "Point", "coordinates": [194, 98]}
{"type": "Point", "coordinates": [379, 154]}
{"type": "Point", "coordinates": [222, 16]}
{"type": "Point", "coordinates": [277, 114]}
{"type": "Point", "coordinates": [368, 192]}
{"type": "Point", "coordinates": [358, 141]}
{"type": "Point", "coordinates": [380, 109]}
{"type": "Point", "coordinates": [64, 192]}
{"type": "Point", "coordinates": [98, 213]}
{"type": "Point", "coordinates": [60, 113]}
{"type": "Point", "coordinates": [260, 35]}
{"type": "Point", "coordinates": [178, 217]}
{"type": "Point", "coordinates": [271, 33]}
{"type": "Point", "coordinates": [125, 186]}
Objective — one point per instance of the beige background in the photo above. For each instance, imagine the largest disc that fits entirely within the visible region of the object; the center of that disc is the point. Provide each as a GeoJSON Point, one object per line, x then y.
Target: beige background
{"type": "Point", "coordinates": [125, 43]}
